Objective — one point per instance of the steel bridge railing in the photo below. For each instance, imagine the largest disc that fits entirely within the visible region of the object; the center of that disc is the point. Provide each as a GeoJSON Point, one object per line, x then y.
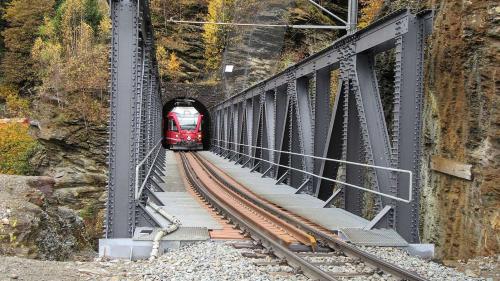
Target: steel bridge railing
{"type": "Point", "coordinates": [410, 174]}
{"type": "Point", "coordinates": [139, 187]}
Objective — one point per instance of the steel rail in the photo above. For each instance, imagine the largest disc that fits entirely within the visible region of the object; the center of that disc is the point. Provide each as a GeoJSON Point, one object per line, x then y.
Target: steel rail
{"type": "Point", "coordinates": [327, 238]}
{"type": "Point", "coordinates": [262, 237]}
{"type": "Point", "coordinates": [410, 198]}
{"type": "Point", "coordinates": [234, 198]}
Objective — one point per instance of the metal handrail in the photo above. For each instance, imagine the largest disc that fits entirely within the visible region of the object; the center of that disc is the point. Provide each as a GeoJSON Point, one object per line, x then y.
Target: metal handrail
{"type": "Point", "coordinates": [138, 190]}
{"type": "Point", "coordinates": [410, 173]}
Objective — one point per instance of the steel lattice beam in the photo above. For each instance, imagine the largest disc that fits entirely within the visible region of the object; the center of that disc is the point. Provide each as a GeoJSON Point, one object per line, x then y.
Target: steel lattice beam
{"type": "Point", "coordinates": [135, 119]}
{"type": "Point", "coordinates": [291, 111]}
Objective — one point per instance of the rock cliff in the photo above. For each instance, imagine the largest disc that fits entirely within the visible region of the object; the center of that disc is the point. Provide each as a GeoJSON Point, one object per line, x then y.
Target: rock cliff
{"type": "Point", "coordinates": [74, 155]}
{"type": "Point", "coordinates": [33, 223]}
{"type": "Point", "coordinates": [462, 123]}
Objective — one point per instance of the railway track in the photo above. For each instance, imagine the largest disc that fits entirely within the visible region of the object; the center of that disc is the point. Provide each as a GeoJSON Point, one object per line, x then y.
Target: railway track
{"type": "Point", "coordinates": [307, 247]}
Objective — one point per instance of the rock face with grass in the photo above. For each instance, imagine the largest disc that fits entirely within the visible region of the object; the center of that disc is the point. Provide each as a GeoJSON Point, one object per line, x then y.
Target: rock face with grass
{"type": "Point", "coordinates": [461, 122]}
{"type": "Point", "coordinates": [33, 224]}
{"type": "Point", "coordinates": [74, 155]}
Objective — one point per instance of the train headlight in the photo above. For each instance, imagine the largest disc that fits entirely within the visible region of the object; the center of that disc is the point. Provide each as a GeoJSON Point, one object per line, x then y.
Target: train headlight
{"type": "Point", "coordinates": [199, 136]}
{"type": "Point", "coordinates": [176, 136]}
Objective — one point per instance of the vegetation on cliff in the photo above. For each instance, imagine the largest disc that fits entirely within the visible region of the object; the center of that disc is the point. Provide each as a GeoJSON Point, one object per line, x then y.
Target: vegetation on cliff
{"type": "Point", "coordinates": [53, 65]}
{"type": "Point", "coordinates": [70, 57]}
{"type": "Point", "coordinates": [215, 36]}
{"type": "Point", "coordinates": [54, 69]}
{"type": "Point", "coordinates": [55, 52]}
{"type": "Point", "coordinates": [16, 148]}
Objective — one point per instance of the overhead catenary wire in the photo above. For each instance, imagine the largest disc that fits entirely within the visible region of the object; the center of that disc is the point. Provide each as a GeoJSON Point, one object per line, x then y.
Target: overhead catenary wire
{"type": "Point", "coordinates": [295, 26]}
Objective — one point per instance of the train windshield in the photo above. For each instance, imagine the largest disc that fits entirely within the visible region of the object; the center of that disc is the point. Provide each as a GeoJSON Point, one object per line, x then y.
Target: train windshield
{"type": "Point", "coordinates": [187, 116]}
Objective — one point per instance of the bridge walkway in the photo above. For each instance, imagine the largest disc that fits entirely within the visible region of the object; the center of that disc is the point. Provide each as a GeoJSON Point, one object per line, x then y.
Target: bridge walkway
{"type": "Point", "coordinates": [177, 201]}
{"type": "Point", "coordinates": [347, 225]}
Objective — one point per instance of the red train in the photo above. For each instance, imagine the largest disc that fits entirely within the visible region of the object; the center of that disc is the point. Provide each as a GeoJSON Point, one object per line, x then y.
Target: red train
{"type": "Point", "coordinates": [183, 129]}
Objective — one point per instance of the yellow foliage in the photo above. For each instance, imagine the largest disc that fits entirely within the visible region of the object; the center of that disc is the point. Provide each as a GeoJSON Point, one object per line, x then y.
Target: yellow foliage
{"type": "Point", "coordinates": [214, 36]}
{"type": "Point", "coordinates": [173, 66]}
{"type": "Point", "coordinates": [72, 62]}
{"type": "Point", "coordinates": [105, 28]}
{"type": "Point", "coordinates": [71, 24]}
{"type": "Point", "coordinates": [168, 65]}
{"type": "Point", "coordinates": [16, 147]}
{"type": "Point", "coordinates": [15, 105]}
{"type": "Point", "coordinates": [162, 58]}
{"type": "Point", "coordinates": [22, 22]}
{"type": "Point", "coordinates": [369, 12]}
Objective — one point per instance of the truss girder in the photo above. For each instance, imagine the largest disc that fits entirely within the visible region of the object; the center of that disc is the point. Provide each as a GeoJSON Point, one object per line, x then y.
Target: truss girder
{"type": "Point", "coordinates": [291, 111]}
{"type": "Point", "coordinates": [135, 113]}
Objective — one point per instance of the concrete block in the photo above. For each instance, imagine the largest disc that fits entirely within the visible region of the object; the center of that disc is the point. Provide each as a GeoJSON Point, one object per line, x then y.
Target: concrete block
{"type": "Point", "coordinates": [425, 251]}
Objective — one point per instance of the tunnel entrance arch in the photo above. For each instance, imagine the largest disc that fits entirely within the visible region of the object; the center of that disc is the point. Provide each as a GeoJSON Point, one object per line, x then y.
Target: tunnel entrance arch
{"type": "Point", "coordinates": [205, 96]}
{"type": "Point", "coordinates": [200, 107]}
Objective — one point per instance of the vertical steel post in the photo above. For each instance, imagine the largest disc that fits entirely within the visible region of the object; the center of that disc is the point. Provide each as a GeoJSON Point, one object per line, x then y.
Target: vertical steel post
{"type": "Point", "coordinates": [352, 16]}
{"type": "Point", "coordinates": [122, 154]}
{"type": "Point", "coordinates": [321, 118]}
{"type": "Point", "coordinates": [409, 133]}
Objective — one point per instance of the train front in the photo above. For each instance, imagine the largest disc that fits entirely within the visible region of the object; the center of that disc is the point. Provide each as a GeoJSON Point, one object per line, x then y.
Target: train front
{"type": "Point", "coordinates": [184, 129]}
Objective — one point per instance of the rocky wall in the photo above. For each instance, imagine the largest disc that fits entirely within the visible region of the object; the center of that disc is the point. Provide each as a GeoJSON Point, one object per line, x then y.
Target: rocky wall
{"type": "Point", "coordinates": [74, 155]}
{"type": "Point", "coordinates": [33, 224]}
{"type": "Point", "coordinates": [462, 217]}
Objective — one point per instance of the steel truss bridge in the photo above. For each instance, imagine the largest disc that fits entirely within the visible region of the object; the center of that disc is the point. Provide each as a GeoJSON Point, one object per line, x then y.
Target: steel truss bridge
{"type": "Point", "coordinates": [284, 127]}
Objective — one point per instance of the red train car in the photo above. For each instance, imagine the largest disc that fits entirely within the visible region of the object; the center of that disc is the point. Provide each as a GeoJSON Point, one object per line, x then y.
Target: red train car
{"type": "Point", "coordinates": [183, 130]}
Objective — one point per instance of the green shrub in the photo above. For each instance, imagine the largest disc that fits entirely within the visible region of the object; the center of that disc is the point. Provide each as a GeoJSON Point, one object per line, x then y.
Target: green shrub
{"type": "Point", "coordinates": [16, 148]}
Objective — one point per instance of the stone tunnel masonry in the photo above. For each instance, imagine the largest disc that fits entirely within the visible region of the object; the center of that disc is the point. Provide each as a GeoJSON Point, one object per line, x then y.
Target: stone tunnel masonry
{"type": "Point", "coordinates": [205, 97]}
{"type": "Point", "coordinates": [208, 95]}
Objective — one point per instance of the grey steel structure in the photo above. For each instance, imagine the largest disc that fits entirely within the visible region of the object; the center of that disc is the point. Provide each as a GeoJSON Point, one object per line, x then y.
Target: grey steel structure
{"type": "Point", "coordinates": [135, 121]}
{"type": "Point", "coordinates": [291, 112]}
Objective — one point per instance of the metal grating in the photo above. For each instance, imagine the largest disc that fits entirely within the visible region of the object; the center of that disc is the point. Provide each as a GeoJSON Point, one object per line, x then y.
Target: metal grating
{"type": "Point", "coordinates": [184, 207]}
{"type": "Point", "coordinates": [375, 237]}
{"type": "Point", "coordinates": [331, 218]}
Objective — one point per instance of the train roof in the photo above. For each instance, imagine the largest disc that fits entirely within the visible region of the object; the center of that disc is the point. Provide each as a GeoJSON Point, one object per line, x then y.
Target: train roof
{"type": "Point", "coordinates": [184, 112]}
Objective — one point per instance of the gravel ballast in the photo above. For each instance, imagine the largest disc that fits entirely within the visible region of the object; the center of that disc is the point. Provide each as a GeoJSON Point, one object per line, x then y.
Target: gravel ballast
{"type": "Point", "coordinates": [425, 268]}
{"type": "Point", "coordinates": [213, 261]}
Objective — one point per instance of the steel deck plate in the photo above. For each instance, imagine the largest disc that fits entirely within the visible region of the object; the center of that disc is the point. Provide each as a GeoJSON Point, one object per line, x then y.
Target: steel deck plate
{"type": "Point", "coordinates": [374, 237]}
{"type": "Point", "coordinates": [294, 200]}
{"type": "Point", "coordinates": [309, 207]}
{"type": "Point", "coordinates": [184, 207]}
{"type": "Point", "coordinates": [331, 218]}
{"type": "Point", "coordinates": [172, 178]}
{"type": "Point", "coordinates": [253, 181]}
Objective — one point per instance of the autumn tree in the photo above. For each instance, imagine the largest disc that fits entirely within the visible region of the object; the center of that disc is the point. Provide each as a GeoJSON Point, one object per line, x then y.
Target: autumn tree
{"type": "Point", "coordinates": [72, 57]}
{"type": "Point", "coordinates": [215, 36]}
{"type": "Point", "coordinates": [23, 19]}
{"type": "Point", "coordinates": [174, 67]}
{"type": "Point", "coordinates": [15, 106]}
{"type": "Point", "coordinates": [16, 148]}
{"type": "Point", "coordinates": [162, 59]}
{"type": "Point", "coordinates": [369, 11]}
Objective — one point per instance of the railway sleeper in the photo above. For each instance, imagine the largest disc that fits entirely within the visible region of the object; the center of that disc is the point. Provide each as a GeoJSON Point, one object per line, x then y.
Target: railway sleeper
{"type": "Point", "coordinates": [298, 263]}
